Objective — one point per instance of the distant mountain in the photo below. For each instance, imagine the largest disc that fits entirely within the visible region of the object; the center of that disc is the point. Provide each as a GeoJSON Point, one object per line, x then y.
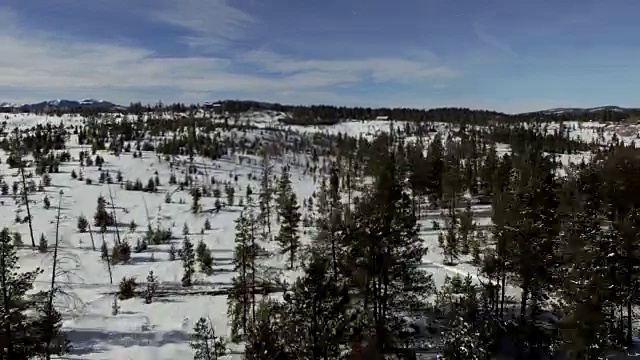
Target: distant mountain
{"type": "Point", "coordinates": [8, 105]}
{"type": "Point", "coordinates": [587, 110]}
{"type": "Point", "coordinates": [61, 104]}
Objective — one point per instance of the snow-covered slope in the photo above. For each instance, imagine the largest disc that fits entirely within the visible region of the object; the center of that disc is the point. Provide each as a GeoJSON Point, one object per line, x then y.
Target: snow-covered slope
{"type": "Point", "coordinates": [161, 330]}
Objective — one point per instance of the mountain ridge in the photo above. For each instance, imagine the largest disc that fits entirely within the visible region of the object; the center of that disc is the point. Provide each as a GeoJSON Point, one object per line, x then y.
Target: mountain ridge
{"type": "Point", "coordinates": [61, 104]}
{"type": "Point", "coordinates": [90, 103]}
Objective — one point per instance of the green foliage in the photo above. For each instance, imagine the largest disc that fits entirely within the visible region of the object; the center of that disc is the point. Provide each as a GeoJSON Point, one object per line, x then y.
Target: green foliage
{"type": "Point", "coordinates": [188, 262]}
{"type": "Point", "coordinates": [127, 287]}
{"type": "Point", "coordinates": [206, 344]}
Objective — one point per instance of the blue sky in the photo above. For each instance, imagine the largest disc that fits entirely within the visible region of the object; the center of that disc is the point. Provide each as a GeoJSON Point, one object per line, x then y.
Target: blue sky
{"type": "Point", "coordinates": [506, 55]}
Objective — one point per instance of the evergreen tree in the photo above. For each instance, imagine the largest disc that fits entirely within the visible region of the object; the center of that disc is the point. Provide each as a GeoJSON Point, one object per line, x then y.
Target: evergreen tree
{"type": "Point", "coordinates": [152, 287]}
{"type": "Point", "coordinates": [188, 262]}
{"type": "Point", "coordinates": [241, 298]}
{"type": "Point", "coordinates": [204, 258]}
{"type": "Point", "coordinates": [462, 342]}
{"type": "Point", "coordinates": [288, 238]}
{"type": "Point", "coordinates": [316, 310]}
{"type": "Point", "coordinates": [466, 230]}
{"type": "Point", "coordinates": [102, 218]}
{"type": "Point", "coordinates": [265, 338]}
{"type": "Point", "coordinates": [21, 334]}
{"type": "Point", "coordinates": [195, 204]}
{"type": "Point", "coordinates": [284, 189]}
{"type": "Point", "coordinates": [206, 344]}
{"type": "Point", "coordinates": [266, 193]}
{"type": "Point", "coordinates": [385, 254]}
{"type": "Point", "coordinates": [43, 245]}
{"type": "Point", "coordinates": [82, 224]}
{"type": "Point", "coordinates": [451, 243]}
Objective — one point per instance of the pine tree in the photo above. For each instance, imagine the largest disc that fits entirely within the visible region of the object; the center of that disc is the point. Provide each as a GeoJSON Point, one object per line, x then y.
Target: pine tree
{"type": "Point", "coordinates": [195, 204]}
{"type": "Point", "coordinates": [16, 331]}
{"type": "Point", "coordinates": [283, 188]}
{"type": "Point", "coordinates": [206, 344]}
{"type": "Point", "coordinates": [466, 230]}
{"type": "Point", "coordinates": [385, 254]}
{"type": "Point", "coordinates": [265, 338]}
{"type": "Point", "coordinates": [102, 218]}
{"type": "Point", "coordinates": [188, 262]}
{"type": "Point", "coordinates": [266, 193]}
{"type": "Point", "coordinates": [82, 224]}
{"type": "Point", "coordinates": [241, 298]}
{"type": "Point", "coordinates": [43, 245]}
{"type": "Point", "coordinates": [229, 190]}
{"type": "Point", "coordinates": [588, 287]}
{"type": "Point", "coordinates": [462, 342]}
{"type": "Point", "coordinates": [152, 287]}
{"type": "Point", "coordinates": [316, 310]}
{"type": "Point", "coordinates": [451, 237]}
{"type": "Point", "coordinates": [204, 258]}
{"type": "Point", "coordinates": [289, 237]}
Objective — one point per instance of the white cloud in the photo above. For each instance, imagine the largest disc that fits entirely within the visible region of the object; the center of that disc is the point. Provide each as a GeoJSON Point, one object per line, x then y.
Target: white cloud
{"type": "Point", "coordinates": [36, 65]}
{"type": "Point", "coordinates": [213, 23]}
{"type": "Point", "coordinates": [379, 69]}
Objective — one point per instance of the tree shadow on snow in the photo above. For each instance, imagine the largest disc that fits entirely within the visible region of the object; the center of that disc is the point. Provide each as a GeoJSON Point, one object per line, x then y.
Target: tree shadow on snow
{"type": "Point", "coordinates": [140, 260]}
{"type": "Point", "coordinates": [87, 341]}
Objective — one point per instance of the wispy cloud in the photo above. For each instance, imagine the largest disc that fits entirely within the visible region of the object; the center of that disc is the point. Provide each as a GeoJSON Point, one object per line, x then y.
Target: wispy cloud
{"type": "Point", "coordinates": [42, 63]}
{"type": "Point", "coordinates": [211, 22]}
{"type": "Point", "coordinates": [492, 40]}
{"type": "Point", "coordinates": [377, 69]}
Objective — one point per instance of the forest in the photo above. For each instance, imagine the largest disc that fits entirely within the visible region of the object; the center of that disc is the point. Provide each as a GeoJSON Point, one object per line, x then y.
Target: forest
{"type": "Point", "coordinates": [556, 269]}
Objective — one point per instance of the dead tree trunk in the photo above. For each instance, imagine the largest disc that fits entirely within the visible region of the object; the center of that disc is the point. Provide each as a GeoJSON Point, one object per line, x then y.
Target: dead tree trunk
{"type": "Point", "coordinates": [49, 309]}
{"type": "Point", "coordinates": [26, 202]}
{"type": "Point", "coordinates": [115, 219]}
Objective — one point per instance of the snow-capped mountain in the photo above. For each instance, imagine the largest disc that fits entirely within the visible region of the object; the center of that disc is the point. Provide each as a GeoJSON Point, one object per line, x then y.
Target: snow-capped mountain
{"type": "Point", "coordinates": [583, 110]}
{"type": "Point", "coordinates": [61, 104]}
{"type": "Point", "coordinates": [8, 105]}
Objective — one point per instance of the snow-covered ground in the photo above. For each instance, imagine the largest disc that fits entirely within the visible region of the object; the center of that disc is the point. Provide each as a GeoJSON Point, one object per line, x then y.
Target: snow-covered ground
{"type": "Point", "coordinates": [160, 330]}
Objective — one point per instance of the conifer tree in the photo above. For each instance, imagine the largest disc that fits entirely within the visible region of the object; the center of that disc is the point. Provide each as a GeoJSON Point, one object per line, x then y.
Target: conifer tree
{"type": "Point", "coordinates": [188, 262]}
{"type": "Point", "coordinates": [289, 238]}
{"type": "Point", "coordinates": [386, 253]}
{"type": "Point", "coordinates": [204, 258]}
{"type": "Point", "coordinates": [102, 218]}
{"type": "Point", "coordinates": [19, 333]}
{"type": "Point", "coordinates": [152, 287]}
{"type": "Point", "coordinates": [195, 204]}
{"type": "Point", "coordinates": [266, 193]}
{"type": "Point", "coordinates": [316, 310]}
{"type": "Point", "coordinates": [206, 344]}
{"type": "Point", "coordinates": [241, 298]}
{"type": "Point", "coordinates": [283, 188]}
{"type": "Point", "coordinates": [451, 237]}
{"type": "Point", "coordinates": [265, 337]}
{"type": "Point", "coordinates": [462, 342]}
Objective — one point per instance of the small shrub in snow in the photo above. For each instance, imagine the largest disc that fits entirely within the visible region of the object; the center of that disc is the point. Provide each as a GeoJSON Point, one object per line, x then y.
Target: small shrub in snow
{"type": "Point", "coordinates": [17, 239]}
{"type": "Point", "coordinates": [152, 287]}
{"type": "Point", "coordinates": [83, 223]}
{"type": "Point", "coordinates": [121, 253]}
{"type": "Point", "coordinates": [133, 226]}
{"type": "Point", "coordinates": [172, 253]}
{"type": "Point", "coordinates": [127, 288]}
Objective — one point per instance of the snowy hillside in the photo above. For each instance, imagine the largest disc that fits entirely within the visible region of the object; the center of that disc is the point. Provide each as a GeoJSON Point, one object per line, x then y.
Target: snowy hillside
{"type": "Point", "coordinates": [161, 330]}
